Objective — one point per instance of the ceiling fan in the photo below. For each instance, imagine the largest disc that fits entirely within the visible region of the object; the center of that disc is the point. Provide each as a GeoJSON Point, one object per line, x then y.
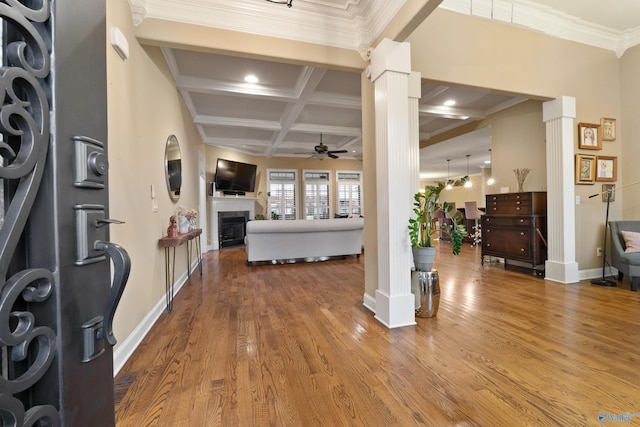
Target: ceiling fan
{"type": "Point", "coordinates": [321, 151]}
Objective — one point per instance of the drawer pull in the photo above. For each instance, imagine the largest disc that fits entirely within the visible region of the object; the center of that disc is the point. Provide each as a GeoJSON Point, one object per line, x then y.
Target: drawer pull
{"type": "Point", "coordinates": [517, 197]}
{"type": "Point", "coordinates": [488, 230]}
{"type": "Point", "coordinates": [518, 202]}
{"type": "Point", "coordinates": [488, 245]}
{"type": "Point", "coordinates": [521, 221]}
{"type": "Point", "coordinates": [494, 209]}
{"type": "Point", "coordinates": [521, 249]}
{"type": "Point", "coordinates": [522, 233]}
{"type": "Point", "coordinates": [518, 208]}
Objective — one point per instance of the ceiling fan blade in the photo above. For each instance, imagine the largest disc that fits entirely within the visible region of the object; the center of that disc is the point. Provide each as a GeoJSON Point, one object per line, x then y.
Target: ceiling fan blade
{"type": "Point", "coordinates": [338, 151]}
{"type": "Point", "coordinates": [333, 156]}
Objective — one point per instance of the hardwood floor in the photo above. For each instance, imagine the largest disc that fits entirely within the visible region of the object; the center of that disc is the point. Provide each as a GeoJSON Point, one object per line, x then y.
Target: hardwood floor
{"type": "Point", "coordinates": [293, 345]}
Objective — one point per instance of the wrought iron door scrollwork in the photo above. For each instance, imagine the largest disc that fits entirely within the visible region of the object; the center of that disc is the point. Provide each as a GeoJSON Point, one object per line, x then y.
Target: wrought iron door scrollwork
{"type": "Point", "coordinates": [25, 125]}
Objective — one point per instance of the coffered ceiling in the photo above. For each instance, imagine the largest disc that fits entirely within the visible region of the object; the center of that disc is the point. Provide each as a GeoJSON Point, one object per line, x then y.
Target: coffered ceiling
{"type": "Point", "coordinates": [291, 106]}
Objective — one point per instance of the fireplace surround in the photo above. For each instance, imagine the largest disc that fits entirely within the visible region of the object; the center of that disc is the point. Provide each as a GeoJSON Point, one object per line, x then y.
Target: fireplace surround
{"type": "Point", "coordinates": [226, 204]}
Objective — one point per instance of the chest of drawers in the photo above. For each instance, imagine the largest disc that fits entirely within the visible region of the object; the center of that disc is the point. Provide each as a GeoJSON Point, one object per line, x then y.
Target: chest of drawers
{"type": "Point", "coordinates": [514, 228]}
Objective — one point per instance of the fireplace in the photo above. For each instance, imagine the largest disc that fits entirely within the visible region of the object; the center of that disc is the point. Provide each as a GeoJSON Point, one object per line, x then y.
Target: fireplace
{"type": "Point", "coordinates": [231, 228]}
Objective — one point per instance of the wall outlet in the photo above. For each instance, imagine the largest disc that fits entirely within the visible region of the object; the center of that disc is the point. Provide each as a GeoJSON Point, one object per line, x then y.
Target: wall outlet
{"type": "Point", "coordinates": [598, 251]}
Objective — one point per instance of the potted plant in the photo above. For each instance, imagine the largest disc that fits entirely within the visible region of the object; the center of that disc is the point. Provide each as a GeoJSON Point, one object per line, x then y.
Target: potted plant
{"type": "Point", "coordinates": [420, 228]}
{"type": "Point", "coordinates": [264, 206]}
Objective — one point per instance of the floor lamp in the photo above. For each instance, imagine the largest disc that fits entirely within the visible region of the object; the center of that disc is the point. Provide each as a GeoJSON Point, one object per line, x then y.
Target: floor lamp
{"type": "Point", "coordinates": [603, 281]}
{"type": "Point", "coordinates": [608, 192]}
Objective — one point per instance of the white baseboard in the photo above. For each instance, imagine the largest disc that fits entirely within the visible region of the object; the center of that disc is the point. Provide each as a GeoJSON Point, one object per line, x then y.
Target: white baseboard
{"type": "Point", "coordinates": [595, 273]}
{"type": "Point", "coordinates": [369, 302]}
{"type": "Point", "coordinates": [124, 351]}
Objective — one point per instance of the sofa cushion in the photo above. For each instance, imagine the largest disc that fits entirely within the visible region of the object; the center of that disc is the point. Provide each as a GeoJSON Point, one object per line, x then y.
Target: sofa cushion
{"type": "Point", "coordinates": [631, 241]}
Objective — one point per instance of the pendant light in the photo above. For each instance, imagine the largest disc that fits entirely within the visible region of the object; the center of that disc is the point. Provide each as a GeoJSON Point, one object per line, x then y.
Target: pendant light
{"type": "Point", "coordinates": [491, 181]}
{"type": "Point", "coordinates": [287, 2]}
{"type": "Point", "coordinates": [448, 180]}
{"type": "Point", "coordinates": [468, 184]}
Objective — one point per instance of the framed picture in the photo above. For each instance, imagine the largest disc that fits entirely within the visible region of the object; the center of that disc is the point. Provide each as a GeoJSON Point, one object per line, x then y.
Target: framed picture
{"type": "Point", "coordinates": [606, 168]}
{"type": "Point", "coordinates": [585, 169]}
{"type": "Point", "coordinates": [589, 136]}
{"type": "Point", "coordinates": [611, 189]}
{"type": "Point", "coordinates": [608, 127]}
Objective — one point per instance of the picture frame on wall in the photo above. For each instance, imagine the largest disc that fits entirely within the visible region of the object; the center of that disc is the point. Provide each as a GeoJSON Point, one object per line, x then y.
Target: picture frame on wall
{"type": "Point", "coordinates": [605, 189]}
{"type": "Point", "coordinates": [606, 168]}
{"type": "Point", "coordinates": [589, 136]}
{"type": "Point", "coordinates": [585, 169]}
{"type": "Point", "coordinates": [608, 127]}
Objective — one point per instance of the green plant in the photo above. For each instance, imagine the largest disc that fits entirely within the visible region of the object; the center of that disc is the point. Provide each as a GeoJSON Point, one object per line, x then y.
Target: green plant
{"type": "Point", "coordinates": [264, 205]}
{"type": "Point", "coordinates": [424, 206]}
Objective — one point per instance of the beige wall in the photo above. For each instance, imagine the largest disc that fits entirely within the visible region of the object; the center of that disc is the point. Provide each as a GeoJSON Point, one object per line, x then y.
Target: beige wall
{"type": "Point", "coordinates": [144, 108]}
{"type": "Point", "coordinates": [460, 49]}
{"type": "Point", "coordinates": [628, 129]}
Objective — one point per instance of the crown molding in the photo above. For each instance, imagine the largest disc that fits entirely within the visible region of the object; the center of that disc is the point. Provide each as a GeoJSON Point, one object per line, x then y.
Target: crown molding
{"type": "Point", "coordinates": [350, 24]}
{"type": "Point", "coordinates": [537, 17]}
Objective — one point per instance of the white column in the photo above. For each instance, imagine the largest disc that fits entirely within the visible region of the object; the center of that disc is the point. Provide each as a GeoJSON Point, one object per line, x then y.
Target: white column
{"type": "Point", "coordinates": [395, 181]}
{"type": "Point", "coordinates": [558, 116]}
{"type": "Point", "coordinates": [415, 92]}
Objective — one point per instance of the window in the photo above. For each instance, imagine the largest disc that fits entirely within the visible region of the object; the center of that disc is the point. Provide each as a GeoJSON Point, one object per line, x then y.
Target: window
{"type": "Point", "coordinates": [283, 191]}
{"type": "Point", "coordinates": [350, 193]}
{"type": "Point", "coordinates": [317, 194]}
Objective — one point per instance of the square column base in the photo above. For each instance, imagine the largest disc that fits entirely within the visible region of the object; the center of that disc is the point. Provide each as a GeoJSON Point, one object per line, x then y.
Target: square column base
{"type": "Point", "coordinates": [396, 311]}
{"type": "Point", "coordinates": [561, 272]}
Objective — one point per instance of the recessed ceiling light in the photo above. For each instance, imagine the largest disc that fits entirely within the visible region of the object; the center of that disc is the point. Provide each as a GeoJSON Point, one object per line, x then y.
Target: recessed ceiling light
{"type": "Point", "coordinates": [449, 103]}
{"type": "Point", "coordinates": [487, 162]}
{"type": "Point", "coordinates": [251, 79]}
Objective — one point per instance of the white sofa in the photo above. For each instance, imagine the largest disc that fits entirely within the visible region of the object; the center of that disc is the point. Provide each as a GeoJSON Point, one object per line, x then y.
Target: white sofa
{"type": "Point", "coordinates": [300, 239]}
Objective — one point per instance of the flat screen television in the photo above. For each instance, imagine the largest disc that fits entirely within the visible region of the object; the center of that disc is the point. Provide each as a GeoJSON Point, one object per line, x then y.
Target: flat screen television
{"type": "Point", "coordinates": [235, 177]}
{"type": "Point", "coordinates": [174, 172]}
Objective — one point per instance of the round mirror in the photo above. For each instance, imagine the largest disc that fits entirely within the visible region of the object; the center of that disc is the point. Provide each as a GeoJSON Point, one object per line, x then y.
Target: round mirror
{"type": "Point", "coordinates": [173, 167]}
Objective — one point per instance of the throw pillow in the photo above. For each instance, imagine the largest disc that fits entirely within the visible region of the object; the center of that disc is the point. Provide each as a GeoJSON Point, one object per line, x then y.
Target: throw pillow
{"type": "Point", "coordinates": [631, 241]}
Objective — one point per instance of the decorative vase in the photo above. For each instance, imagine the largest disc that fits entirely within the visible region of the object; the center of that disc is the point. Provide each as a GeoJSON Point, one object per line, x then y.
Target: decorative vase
{"type": "Point", "coordinates": [521, 175]}
{"type": "Point", "coordinates": [427, 292]}
{"type": "Point", "coordinates": [183, 224]}
{"type": "Point", "coordinates": [423, 258]}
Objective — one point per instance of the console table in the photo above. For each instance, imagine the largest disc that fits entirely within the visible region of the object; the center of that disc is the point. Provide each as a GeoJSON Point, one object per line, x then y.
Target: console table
{"type": "Point", "coordinates": [514, 228]}
{"type": "Point", "coordinates": [169, 243]}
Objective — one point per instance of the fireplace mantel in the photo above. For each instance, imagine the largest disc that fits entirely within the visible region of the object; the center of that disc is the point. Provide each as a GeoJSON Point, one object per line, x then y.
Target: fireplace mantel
{"type": "Point", "coordinates": [226, 204]}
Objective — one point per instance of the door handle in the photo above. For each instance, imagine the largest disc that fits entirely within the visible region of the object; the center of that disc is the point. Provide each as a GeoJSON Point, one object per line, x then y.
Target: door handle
{"type": "Point", "coordinates": [101, 327]}
{"type": "Point", "coordinates": [122, 267]}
